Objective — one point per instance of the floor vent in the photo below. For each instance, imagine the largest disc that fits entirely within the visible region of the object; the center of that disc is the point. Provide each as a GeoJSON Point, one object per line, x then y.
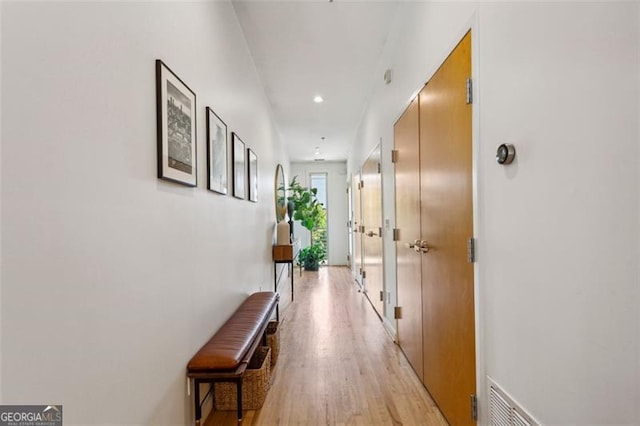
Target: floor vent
{"type": "Point", "coordinates": [503, 411]}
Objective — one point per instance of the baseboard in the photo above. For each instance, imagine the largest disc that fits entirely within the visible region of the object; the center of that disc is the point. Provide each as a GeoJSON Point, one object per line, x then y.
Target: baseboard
{"type": "Point", "coordinates": [390, 329]}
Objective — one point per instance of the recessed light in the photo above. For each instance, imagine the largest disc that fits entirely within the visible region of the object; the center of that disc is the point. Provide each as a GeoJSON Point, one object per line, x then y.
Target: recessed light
{"type": "Point", "coordinates": [318, 99]}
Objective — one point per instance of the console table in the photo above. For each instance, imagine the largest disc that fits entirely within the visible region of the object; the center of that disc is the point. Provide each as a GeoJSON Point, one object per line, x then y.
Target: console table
{"type": "Point", "coordinates": [286, 253]}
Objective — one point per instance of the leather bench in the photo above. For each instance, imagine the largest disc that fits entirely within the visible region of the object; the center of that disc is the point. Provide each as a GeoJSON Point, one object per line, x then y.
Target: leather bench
{"type": "Point", "coordinates": [224, 358]}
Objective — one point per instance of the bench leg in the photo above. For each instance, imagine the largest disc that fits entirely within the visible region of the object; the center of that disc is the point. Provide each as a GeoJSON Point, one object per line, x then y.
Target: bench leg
{"type": "Point", "coordinates": [239, 398]}
{"type": "Point", "coordinates": [196, 397]}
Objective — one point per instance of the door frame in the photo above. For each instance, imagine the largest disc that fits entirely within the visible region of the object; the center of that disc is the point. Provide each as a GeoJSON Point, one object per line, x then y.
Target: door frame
{"type": "Point", "coordinates": [383, 314]}
{"type": "Point", "coordinates": [326, 208]}
{"type": "Point", "coordinates": [471, 25]}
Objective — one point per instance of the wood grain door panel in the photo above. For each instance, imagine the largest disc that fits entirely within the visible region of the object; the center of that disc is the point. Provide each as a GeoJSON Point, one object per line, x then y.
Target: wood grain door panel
{"type": "Point", "coordinates": [372, 221]}
{"type": "Point", "coordinates": [409, 274]}
{"type": "Point", "coordinates": [447, 223]}
{"type": "Point", "coordinates": [357, 221]}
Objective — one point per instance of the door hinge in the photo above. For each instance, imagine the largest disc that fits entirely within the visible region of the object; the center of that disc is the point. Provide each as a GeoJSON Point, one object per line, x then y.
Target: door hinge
{"type": "Point", "coordinates": [394, 156]}
{"type": "Point", "coordinates": [364, 274]}
{"type": "Point", "coordinates": [379, 231]}
{"type": "Point", "coordinates": [361, 229]}
{"type": "Point", "coordinates": [471, 250]}
{"type": "Point", "coordinates": [381, 296]}
{"type": "Point", "coordinates": [474, 407]}
{"type": "Point", "coordinates": [379, 168]}
{"type": "Point", "coordinates": [397, 312]}
{"type": "Point", "coordinates": [469, 91]}
{"type": "Point", "coordinates": [361, 184]}
{"type": "Point", "coordinates": [396, 234]}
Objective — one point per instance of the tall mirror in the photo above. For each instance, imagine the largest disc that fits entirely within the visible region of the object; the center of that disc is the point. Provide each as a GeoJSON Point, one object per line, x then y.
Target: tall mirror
{"type": "Point", "coordinates": [281, 196]}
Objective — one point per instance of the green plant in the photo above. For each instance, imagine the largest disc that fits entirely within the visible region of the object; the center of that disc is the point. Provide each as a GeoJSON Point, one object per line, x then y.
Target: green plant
{"type": "Point", "coordinates": [311, 257]}
{"type": "Point", "coordinates": [307, 209]}
{"type": "Point", "coordinates": [313, 216]}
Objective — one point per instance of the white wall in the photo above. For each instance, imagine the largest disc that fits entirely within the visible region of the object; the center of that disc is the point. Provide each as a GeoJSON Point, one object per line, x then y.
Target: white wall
{"type": "Point", "coordinates": [337, 214]}
{"type": "Point", "coordinates": [111, 278]}
{"type": "Point", "coordinates": [557, 230]}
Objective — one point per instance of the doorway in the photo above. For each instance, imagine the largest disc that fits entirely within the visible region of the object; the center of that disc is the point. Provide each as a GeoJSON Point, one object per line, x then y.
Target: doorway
{"type": "Point", "coordinates": [435, 247]}
{"type": "Point", "coordinates": [320, 235]}
{"type": "Point", "coordinates": [371, 193]}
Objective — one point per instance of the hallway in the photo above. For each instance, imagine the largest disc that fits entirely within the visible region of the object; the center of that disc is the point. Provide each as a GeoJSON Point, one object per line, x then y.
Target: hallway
{"type": "Point", "coordinates": [337, 365]}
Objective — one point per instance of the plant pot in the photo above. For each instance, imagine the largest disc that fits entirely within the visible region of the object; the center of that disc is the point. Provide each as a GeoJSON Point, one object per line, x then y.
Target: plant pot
{"type": "Point", "coordinates": [311, 266]}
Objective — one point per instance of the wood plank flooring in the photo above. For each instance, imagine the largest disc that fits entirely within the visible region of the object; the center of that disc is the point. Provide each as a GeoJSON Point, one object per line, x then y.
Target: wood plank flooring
{"type": "Point", "coordinates": [337, 365]}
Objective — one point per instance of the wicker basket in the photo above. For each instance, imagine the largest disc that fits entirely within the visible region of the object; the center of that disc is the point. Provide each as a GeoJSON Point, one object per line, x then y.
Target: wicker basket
{"type": "Point", "coordinates": [254, 385]}
{"type": "Point", "coordinates": [273, 340]}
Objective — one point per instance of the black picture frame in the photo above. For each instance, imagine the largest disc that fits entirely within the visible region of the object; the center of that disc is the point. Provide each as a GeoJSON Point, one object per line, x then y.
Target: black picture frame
{"type": "Point", "coordinates": [239, 166]}
{"type": "Point", "coordinates": [217, 175]}
{"type": "Point", "coordinates": [252, 175]}
{"type": "Point", "coordinates": [176, 128]}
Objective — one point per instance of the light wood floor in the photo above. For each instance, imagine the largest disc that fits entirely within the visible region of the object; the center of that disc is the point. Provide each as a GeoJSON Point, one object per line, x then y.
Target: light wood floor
{"type": "Point", "coordinates": [337, 365]}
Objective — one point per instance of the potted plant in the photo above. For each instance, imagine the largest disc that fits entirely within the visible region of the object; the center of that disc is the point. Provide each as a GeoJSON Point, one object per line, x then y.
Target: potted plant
{"type": "Point", "coordinates": [305, 205]}
{"type": "Point", "coordinates": [311, 257]}
{"type": "Point", "coordinates": [312, 215]}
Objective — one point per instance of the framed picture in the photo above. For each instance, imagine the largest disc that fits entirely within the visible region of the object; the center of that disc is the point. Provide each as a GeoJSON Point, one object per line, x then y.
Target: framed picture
{"type": "Point", "coordinates": [253, 175]}
{"type": "Point", "coordinates": [216, 153]}
{"type": "Point", "coordinates": [239, 169]}
{"type": "Point", "coordinates": [176, 121]}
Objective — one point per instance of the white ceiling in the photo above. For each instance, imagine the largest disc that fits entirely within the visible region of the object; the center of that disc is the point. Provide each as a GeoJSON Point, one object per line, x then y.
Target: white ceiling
{"type": "Point", "coordinates": [307, 48]}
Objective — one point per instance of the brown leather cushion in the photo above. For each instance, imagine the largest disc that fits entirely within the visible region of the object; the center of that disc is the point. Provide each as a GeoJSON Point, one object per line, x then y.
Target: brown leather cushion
{"type": "Point", "coordinates": [227, 348]}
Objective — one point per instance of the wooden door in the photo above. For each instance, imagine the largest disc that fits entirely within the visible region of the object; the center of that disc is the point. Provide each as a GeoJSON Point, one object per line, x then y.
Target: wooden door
{"type": "Point", "coordinates": [447, 224]}
{"type": "Point", "coordinates": [407, 175]}
{"type": "Point", "coordinates": [372, 235]}
{"type": "Point", "coordinates": [357, 223]}
{"type": "Point", "coordinates": [350, 227]}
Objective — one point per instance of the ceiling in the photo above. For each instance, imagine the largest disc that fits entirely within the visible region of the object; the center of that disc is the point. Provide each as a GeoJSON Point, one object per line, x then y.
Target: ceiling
{"type": "Point", "coordinates": [306, 48]}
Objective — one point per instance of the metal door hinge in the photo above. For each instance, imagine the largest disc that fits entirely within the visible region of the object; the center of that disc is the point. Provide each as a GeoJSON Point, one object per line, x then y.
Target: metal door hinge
{"type": "Point", "coordinates": [394, 156]}
{"type": "Point", "coordinates": [381, 296]}
{"type": "Point", "coordinates": [396, 234]}
{"type": "Point", "coordinates": [361, 184]}
{"type": "Point", "coordinates": [397, 312]}
{"type": "Point", "coordinates": [471, 250]}
{"type": "Point", "coordinates": [469, 91]}
{"type": "Point", "coordinates": [379, 231]}
{"type": "Point", "coordinates": [361, 229]}
{"type": "Point", "coordinates": [379, 168]}
{"type": "Point", "coordinates": [474, 407]}
{"type": "Point", "coordinates": [364, 274]}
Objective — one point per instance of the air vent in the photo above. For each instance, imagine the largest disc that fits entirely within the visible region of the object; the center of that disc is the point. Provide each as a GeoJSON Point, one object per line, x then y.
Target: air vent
{"type": "Point", "coordinates": [504, 411]}
{"type": "Point", "coordinates": [518, 420]}
{"type": "Point", "coordinates": [500, 409]}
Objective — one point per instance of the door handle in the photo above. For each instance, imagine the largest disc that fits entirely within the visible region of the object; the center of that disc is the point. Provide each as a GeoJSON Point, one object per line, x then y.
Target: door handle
{"type": "Point", "coordinates": [370, 234]}
{"type": "Point", "coordinates": [422, 246]}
